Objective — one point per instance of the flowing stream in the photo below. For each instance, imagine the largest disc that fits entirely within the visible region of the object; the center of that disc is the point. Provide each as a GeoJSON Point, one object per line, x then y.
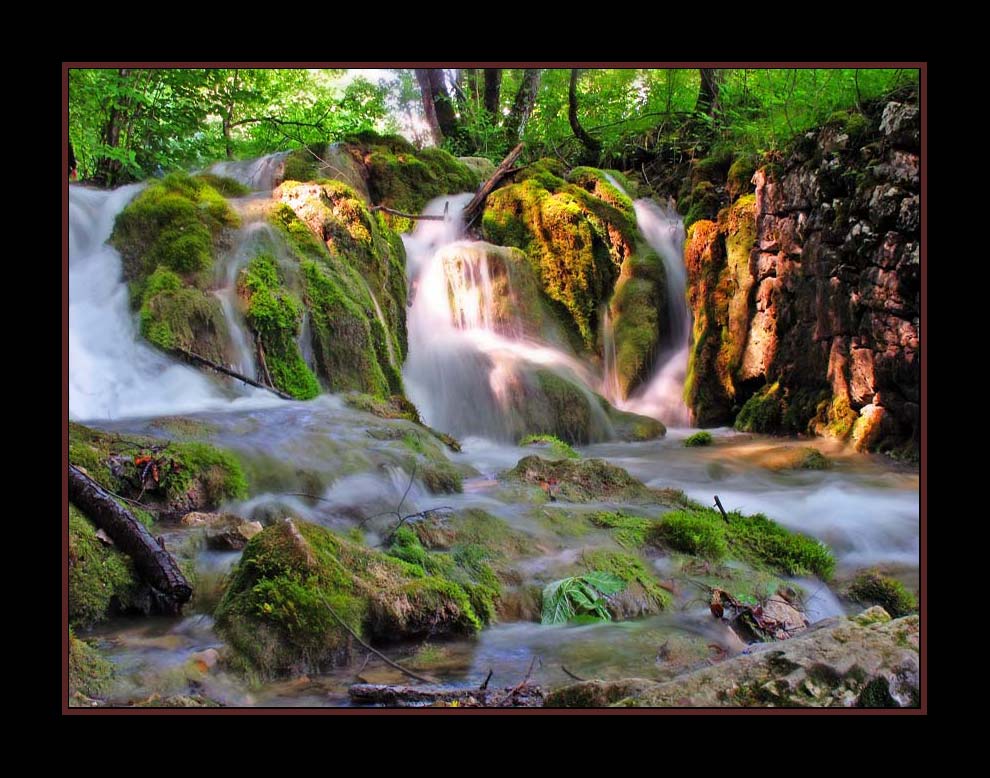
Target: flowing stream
{"type": "Point", "coordinates": [466, 360]}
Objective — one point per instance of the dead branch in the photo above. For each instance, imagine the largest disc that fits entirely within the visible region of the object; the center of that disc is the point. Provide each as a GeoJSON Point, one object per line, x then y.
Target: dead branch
{"type": "Point", "coordinates": [197, 359]}
{"type": "Point", "coordinates": [473, 209]}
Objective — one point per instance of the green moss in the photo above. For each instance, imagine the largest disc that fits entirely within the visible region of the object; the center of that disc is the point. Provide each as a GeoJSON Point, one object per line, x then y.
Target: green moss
{"type": "Point", "coordinates": [703, 203]}
{"type": "Point", "coordinates": [228, 187]}
{"type": "Point", "coordinates": [275, 611]}
{"type": "Point", "coordinates": [763, 412]}
{"type": "Point", "coordinates": [630, 569]}
{"type": "Point", "coordinates": [101, 578]}
{"type": "Point", "coordinates": [394, 407]}
{"type": "Point", "coordinates": [275, 315]}
{"type": "Point", "coordinates": [698, 439]}
{"type": "Point", "coordinates": [815, 460]}
{"type": "Point", "coordinates": [187, 318]}
{"type": "Point", "coordinates": [873, 588]}
{"type": "Point", "coordinates": [581, 481]}
{"type": "Point", "coordinates": [575, 240]}
{"type": "Point", "coordinates": [740, 175]}
{"type": "Point", "coordinates": [876, 694]}
{"type": "Point", "coordinates": [631, 426]}
{"type": "Point", "coordinates": [89, 673]}
{"type": "Point", "coordinates": [404, 178]}
{"type": "Point", "coordinates": [697, 533]}
{"type": "Point", "coordinates": [558, 448]}
{"type": "Point", "coordinates": [839, 418]}
{"type": "Point", "coordinates": [303, 164]}
{"type": "Point", "coordinates": [628, 531]}
{"type": "Point", "coordinates": [191, 475]}
{"type": "Point", "coordinates": [759, 540]}
{"type": "Point", "coordinates": [177, 222]}
{"type": "Point", "coordinates": [442, 478]}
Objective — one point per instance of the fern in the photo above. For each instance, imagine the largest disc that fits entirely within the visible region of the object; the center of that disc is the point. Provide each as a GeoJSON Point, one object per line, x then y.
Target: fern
{"type": "Point", "coordinates": [582, 595]}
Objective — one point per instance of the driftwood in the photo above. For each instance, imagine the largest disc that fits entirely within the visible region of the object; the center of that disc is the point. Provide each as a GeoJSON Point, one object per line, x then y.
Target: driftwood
{"type": "Point", "coordinates": [198, 360]}
{"type": "Point", "coordinates": [412, 697]}
{"type": "Point", "coordinates": [156, 566]}
{"type": "Point", "coordinates": [473, 209]}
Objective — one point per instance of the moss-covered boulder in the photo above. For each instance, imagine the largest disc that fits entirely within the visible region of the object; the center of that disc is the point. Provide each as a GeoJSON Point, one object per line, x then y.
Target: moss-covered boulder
{"type": "Point", "coordinates": [720, 285]}
{"type": "Point", "coordinates": [90, 674]}
{"type": "Point", "coordinates": [296, 582]}
{"type": "Point", "coordinates": [275, 315]}
{"type": "Point", "coordinates": [631, 427]}
{"type": "Point", "coordinates": [873, 587]}
{"type": "Point", "coordinates": [581, 480]}
{"type": "Point", "coordinates": [172, 478]}
{"type": "Point", "coordinates": [481, 166]}
{"type": "Point", "coordinates": [169, 237]}
{"type": "Point", "coordinates": [635, 311]}
{"type": "Point", "coordinates": [404, 178]}
{"type": "Point", "coordinates": [576, 235]}
{"type": "Point", "coordinates": [642, 595]}
{"type": "Point", "coordinates": [102, 579]}
{"type": "Point", "coordinates": [353, 279]}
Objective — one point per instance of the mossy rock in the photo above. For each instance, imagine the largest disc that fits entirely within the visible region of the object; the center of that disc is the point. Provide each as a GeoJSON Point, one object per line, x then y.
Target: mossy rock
{"type": "Point", "coordinates": [191, 476]}
{"type": "Point", "coordinates": [184, 318]}
{"type": "Point", "coordinates": [406, 179]}
{"type": "Point", "coordinates": [643, 596]}
{"type": "Point", "coordinates": [628, 531]}
{"type": "Point", "coordinates": [551, 404]}
{"type": "Point", "coordinates": [556, 448]}
{"type": "Point", "coordinates": [275, 315]}
{"type": "Point", "coordinates": [102, 579]}
{"type": "Point", "coordinates": [698, 439]}
{"type": "Point", "coordinates": [631, 427]}
{"type": "Point", "coordinates": [872, 587]}
{"type": "Point", "coordinates": [763, 412]}
{"type": "Point", "coordinates": [740, 176]}
{"type": "Point", "coordinates": [581, 480]}
{"type": "Point", "coordinates": [482, 167]}
{"type": "Point", "coordinates": [635, 309]}
{"type": "Point", "coordinates": [278, 611]}
{"type": "Point", "coordinates": [352, 348]}
{"type": "Point", "coordinates": [576, 241]}
{"type": "Point", "coordinates": [90, 674]}
{"type": "Point", "coordinates": [177, 223]}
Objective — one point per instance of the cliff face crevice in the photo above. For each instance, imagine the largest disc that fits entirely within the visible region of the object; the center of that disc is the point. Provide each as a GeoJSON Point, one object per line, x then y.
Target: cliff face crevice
{"type": "Point", "coordinates": [806, 294]}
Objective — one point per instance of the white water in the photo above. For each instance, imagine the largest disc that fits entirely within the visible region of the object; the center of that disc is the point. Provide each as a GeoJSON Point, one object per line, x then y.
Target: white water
{"type": "Point", "coordinates": [113, 373]}
{"type": "Point", "coordinates": [663, 397]}
{"type": "Point", "coordinates": [466, 371]}
{"type": "Point", "coordinates": [259, 174]}
{"type": "Point", "coordinates": [610, 381]}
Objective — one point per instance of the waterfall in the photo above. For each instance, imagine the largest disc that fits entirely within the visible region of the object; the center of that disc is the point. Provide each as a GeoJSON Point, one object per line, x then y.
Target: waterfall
{"type": "Point", "coordinates": [663, 397]}
{"type": "Point", "coordinates": [259, 174]}
{"type": "Point", "coordinates": [113, 372]}
{"type": "Point", "coordinates": [610, 379]}
{"type": "Point", "coordinates": [470, 369]}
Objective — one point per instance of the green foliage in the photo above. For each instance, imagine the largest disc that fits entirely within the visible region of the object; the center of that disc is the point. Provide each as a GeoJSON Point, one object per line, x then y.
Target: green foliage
{"type": "Point", "coordinates": [698, 439]}
{"type": "Point", "coordinates": [101, 577]}
{"type": "Point", "coordinates": [697, 533]}
{"type": "Point", "coordinates": [628, 531]}
{"type": "Point", "coordinates": [579, 596]}
{"type": "Point", "coordinates": [558, 448]}
{"type": "Point", "coordinates": [872, 587]}
{"type": "Point", "coordinates": [89, 673]}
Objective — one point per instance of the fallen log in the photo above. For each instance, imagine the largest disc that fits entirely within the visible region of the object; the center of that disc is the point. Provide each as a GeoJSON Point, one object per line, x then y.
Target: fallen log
{"type": "Point", "coordinates": [422, 217]}
{"type": "Point", "coordinates": [156, 566]}
{"type": "Point", "coordinates": [413, 697]}
{"type": "Point", "coordinates": [198, 360]}
{"type": "Point", "coordinates": [473, 209]}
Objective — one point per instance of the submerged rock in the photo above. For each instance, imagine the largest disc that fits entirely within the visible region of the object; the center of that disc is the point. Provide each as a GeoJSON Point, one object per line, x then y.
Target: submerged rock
{"type": "Point", "coordinates": [836, 663]}
{"type": "Point", "coordinates": [581, 480]}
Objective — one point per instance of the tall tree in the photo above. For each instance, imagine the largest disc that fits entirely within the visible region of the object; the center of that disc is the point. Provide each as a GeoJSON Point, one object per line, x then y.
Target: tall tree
{"type": "Point", "coordinates": [711, 81]}
{"type": "Point", "coordinates": [493, 90]}
{"type": "Point", "coordinates": [522, 106]}
{"type": "Point", "coordinates": [435, 96]}
{"type": "Point", "coordinates": [593, 146]}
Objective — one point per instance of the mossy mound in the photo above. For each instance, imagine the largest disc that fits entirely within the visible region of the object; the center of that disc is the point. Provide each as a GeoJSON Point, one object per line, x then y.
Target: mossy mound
{"type": "Point", "coordinates": [581, 481]}
{"type": "Point", "coordinates": [631, 427]}
{"type": "Point", "coordinates": [102, 579]}
{"type": "Point", "coordinates": [793, 458]}
{"type": "Point", "coordinates": [872, 587]}
{"type": "Point", "coordinates": [556, 448]}
{"type": "Point", "coordinates": [698, 439]}
{"type": "Point", "coordinates": [548, 403]}
{"type": "Point", "coordinates": [172, 478]}
{"type": "Point", "coordinates": [275, 315]}
{"type": "Point", "coordinates": [627, 531]}
{"type": "Point", "coordinates": [576, 241]}
{"type": "Point", "coordinates": [635, 309]}
{"type": "Point", "coordinates": [89, 673]}
{"type": "Point", "coordinates": [348, 261]}
{"type": "Point", "coordinates": [278, 611]}
{"type": "Point", "coordinates": [169, 236]}
{"type": "Point", "coordinates": [404, 178]}
{"type": "Point", "coordinates": [754, 539]}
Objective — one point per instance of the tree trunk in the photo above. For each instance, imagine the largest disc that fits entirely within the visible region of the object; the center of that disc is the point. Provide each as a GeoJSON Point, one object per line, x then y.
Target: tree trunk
{"type": "Point", "coordinates": [522, 106]}
{"type": "Point", "coordinates": [156, 566]}
{"type": "Point", "coordinates": [474, 208]}
{"type": "Point", "coordinates": [493, 91]}
{"type": "Point", "coordinates": [707, 103]}
{"type": "Point", "coordinates": [435, 91]}
{"type": "Point", "coordinates": [593, 146]}
{"type": "Point", "coordinates": [108, 170]}
{"type": "Point", "coordinates": [72, 159]}
{"type": "Point", "coordinates": [425, 88]}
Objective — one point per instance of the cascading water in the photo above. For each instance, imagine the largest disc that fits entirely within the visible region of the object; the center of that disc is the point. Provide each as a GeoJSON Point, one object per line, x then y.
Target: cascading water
{"type": "Point", "coordinates": [259, 174]}
{"type": "Point", "coordinates": [468, 364]}
{"type": "Point", "coordinates": [112, 372]}
{"type": "Point", "coordinates": [610, 380]}
{"type": "Point", "coordinates": [663, 397]}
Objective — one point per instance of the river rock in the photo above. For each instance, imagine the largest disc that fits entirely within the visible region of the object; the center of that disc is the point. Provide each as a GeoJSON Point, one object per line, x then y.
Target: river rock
{"type": "Point", "coordinates": [839, 662]}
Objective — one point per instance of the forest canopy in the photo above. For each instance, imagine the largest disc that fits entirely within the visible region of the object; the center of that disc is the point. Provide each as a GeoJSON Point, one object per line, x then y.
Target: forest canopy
{"type": "Point", "coordinates": [127, 124]}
